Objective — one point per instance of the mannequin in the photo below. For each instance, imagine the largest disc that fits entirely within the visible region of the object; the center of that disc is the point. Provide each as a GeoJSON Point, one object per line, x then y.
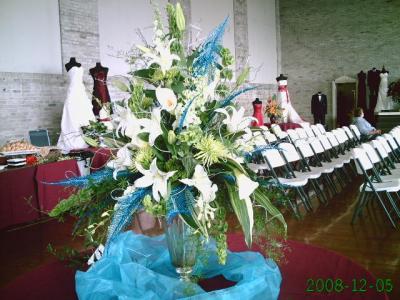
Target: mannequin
{"type": "Point", "coordinates": [289, 114]}
{"type": "Point", "coordinates": [319, 107]}
{"type": "Point", "coordinates": [373, 81]}
{"type": "Point", "coordinates": [258, 113]}
{"type": "Point", "coordinates": [100, 90]}
{"type": "Point", "coordinates": [72, 63]}
{"type": "Point", "coordinates": [361, 99]}
{"type": "Point", "coordinates": [383, 102]}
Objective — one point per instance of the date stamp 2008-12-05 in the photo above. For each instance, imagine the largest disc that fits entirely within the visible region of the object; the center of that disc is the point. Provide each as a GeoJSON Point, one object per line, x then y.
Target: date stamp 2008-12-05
{"type": "Point", "coordinates": [337, 285]}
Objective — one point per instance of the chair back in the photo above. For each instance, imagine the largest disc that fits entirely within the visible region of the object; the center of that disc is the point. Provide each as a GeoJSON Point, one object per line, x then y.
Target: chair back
{"type": "Point", "coordinates": [293, 134]}
{"type": "Point", "coordinates": [396, 137]}
{"type": "Point", "coordinates": [325, 142]}
{"type": "Point", "coordinates": [332, 139]}
{"type": "Point", "coordinates": [304, 148]}
{"type": "Point", "coordinates": [276, 129]}
{"type": "Point", "coordinates": [379, 148]}
{"type": "Point", "coordinates": [363, 162]}
{"type": "Point", "coordinates": [309, 131]}
{"type": "Point", "coordinates": [274, 158]}
{"type": "Point", "coordinates": [355, 130]}
{"type": "Point", "coordinates": [270, 137]}
{"type": "Point", "coordinates": [317, 146]}
{"type": "Point", "coordinates": [302, 133]}
{"type": "Point", "coordinates": [349, 133]}
{"type": "Point", "coordinates": [371, 152]}
{"type": "Point", "coordinates": [390, 139]}
{"type": "Point", "coordinates": [384, 143]}
{"type": "Point", "coordinates": [289, 152]}
{"type": "Point", "coordinates": [321, 128]}
{"type": "Point", "coordinates": [315, 129]}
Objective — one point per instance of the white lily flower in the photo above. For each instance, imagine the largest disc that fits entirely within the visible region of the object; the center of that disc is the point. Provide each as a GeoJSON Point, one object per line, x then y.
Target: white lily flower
{"type": "Point", "coordinates": [154, 177]}
{"type": "Point", "coordinates": [236, 121]}
{"type": "Point", "coordinates": [245, 184]}
{"type": "Point", "coordinates": [130, 126]}
{"type": "Point", "coordinates": [201, 182]}
{"type": "Point", "coordinates": [122, 161]}
{"type": "Point", "coordinates": [164, 58]}
{"type": "Point", "coordinates": [166, 98]}
{"type": "Point", "coordinates": [152, 126]}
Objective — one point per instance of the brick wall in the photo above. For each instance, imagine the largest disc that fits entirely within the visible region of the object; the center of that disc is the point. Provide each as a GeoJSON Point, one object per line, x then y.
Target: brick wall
{"type": "Point", "coordinates": [320, 43]}
{"type": "Point", "coordinates": [33, 101]}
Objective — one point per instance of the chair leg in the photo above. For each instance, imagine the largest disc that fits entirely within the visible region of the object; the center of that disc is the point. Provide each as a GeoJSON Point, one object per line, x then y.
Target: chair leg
{"type": "Point", "coordinates": [393, 203]}
{"type": "Point", "coordinates": [385, 209]}
{"type": "Point", "coordinates": [320, 195]}
{"type": "Point", "coordinates": [303, 199]}
{"type": "Point", "coordinates": [358, 207]}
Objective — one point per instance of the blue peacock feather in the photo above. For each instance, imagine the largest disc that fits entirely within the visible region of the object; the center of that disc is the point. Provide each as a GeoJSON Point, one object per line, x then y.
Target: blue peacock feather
{"type": "Point", "coordinates": [94, 178]}
{"type": "Point", "coordinates": [122, 217]}
{"type": "Point", "coordinates": [208, 51]}
{"type": "Point", "coordinates": [179, 202]}
{"type": "Point", "coordinates": [184, 114]}
{"type": "Point", "coordinates": [232, 96]}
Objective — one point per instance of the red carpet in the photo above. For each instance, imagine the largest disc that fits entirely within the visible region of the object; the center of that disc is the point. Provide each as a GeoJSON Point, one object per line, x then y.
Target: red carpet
{"type": "Point", "coordinates": [304, 262]}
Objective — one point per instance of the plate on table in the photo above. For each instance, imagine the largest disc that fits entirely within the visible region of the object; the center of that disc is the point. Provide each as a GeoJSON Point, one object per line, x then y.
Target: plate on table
{"type": "Point", "coordinates": [2, 167]}
{"type": "Point", "coordinates": [21, 152]}
{"type": "Point", "coordinates": [17, 164]}
{"type": "Point", "coordinates": [16, 160]}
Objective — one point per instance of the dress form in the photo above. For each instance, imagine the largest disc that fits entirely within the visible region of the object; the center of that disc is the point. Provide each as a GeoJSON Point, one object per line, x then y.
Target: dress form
{"type": "Point", "coordinates": [289, 114]}
{"type": "Point", "coordinates": [383, 103]}
{"type": "Point", "coordinates": [100, 89]}
{"type": "Point", "coordinates": [72, 63]}
{"type": "Point", "coordinates": [258, 113]}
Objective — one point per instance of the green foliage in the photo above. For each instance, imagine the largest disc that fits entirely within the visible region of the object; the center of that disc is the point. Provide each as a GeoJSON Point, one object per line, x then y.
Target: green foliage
{"type": "Point", "coordinates": [155, 209]}
{"type": "Point", "coordinates": [222, 90]}
{"type": "Point", "coordinates": [226, 56]}
{"type": "Point", "coordinates": [243, 76]}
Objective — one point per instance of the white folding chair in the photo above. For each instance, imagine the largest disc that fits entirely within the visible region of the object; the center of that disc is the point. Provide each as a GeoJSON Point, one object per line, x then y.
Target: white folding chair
{"type": "Point", "coordinates": [276, 129]}
{"type": "Point", "coordinates": [293, 135]}
{"type": "Point", "coordinates": [378, 189]}
{"type": "Point", "coordinates": [315, 129]}
{"type": "Point", "coordinates": [356, 132]}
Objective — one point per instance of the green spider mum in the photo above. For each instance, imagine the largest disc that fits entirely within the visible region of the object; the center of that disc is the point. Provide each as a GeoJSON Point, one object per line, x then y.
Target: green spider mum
{"type": "Point", "coordinates": [210, 150]}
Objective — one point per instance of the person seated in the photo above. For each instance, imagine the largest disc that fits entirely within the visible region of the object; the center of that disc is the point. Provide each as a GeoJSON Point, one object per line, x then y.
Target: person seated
{"type": "Point", "coordinates": [368, 132]}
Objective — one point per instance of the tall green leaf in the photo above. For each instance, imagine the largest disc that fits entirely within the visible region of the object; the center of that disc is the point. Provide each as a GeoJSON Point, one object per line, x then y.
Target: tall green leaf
{"type": "Point", "coordinates": [262, 199]}
{"type": "Point", "coordinates": [244, 212]}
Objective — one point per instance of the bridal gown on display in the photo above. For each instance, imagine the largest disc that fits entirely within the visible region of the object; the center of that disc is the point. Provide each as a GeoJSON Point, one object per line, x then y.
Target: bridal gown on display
{"type": "Point", "coordinates": [77, 112]}
{"type": "Point", "coordinates": [290, 115]}
{"type": "Point", "coordinates": [383, 101]}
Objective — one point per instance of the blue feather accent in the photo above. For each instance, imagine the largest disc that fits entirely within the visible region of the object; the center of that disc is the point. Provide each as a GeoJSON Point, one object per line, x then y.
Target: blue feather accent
{"type": "Point", "coordinates": [122, 217]}
{"type": "Point", "coordinates": [184, 114]}
{"type": "Point", "coordinates": [94, 178]}
{"type": "Point", "coordinates": [180, 202]}
{"type": "Point", "coordinates": [208, 51]}
{"type": "Point", "coordinates": [231, 97]}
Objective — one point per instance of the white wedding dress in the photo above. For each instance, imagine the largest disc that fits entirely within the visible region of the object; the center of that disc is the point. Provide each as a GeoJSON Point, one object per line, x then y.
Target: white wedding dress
{"type": "Point", "coordinates": [289, 114]}
{"type": "Point", "coordinates": [77, 112]}
{"type": "Point", "coordinates": [383, 100]}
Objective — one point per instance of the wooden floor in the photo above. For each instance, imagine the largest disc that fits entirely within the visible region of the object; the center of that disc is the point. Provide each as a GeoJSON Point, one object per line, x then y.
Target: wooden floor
{"type": "Point", "coordinates": [371, 242]}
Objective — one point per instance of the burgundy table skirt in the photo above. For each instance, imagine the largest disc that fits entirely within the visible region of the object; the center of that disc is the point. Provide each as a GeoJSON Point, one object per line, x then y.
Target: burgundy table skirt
{"type": "Point", "coordinates": [19, 185]}
{"type": "Point", "coordinates": [303, 262]}
{"type": "Point", "coordinates": [285, 126]}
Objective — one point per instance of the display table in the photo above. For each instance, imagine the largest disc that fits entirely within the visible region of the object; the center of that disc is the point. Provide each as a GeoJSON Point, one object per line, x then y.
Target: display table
{"type": "Point", "coordinates": [285, 126]}
{"type": "Point", "coordinates": [387, 120]}
{"type": "Point", "coordinates": [20, 184]}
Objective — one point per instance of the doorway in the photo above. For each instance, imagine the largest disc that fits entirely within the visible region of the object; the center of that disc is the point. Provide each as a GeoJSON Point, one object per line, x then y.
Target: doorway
{"type": "Point", "coordinates": [346, 103]}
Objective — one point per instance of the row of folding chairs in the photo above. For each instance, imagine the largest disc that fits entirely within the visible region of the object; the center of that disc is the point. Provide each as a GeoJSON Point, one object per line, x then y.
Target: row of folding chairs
{"type": "Point", "coordinates": [321, 159]}
{"type": "Point", "coordinates": [378, 161]}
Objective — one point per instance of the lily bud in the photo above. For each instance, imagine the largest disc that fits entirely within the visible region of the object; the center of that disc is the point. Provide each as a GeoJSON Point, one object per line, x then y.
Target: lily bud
{"type": "Point", "coordinates": [179, 17]}
{"type": "Point", "coordinates": [171, 137]}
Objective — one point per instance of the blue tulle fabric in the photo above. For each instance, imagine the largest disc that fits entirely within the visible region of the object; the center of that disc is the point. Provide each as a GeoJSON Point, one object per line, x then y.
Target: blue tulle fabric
{"type": "Point", "coordinates": [138, 267]}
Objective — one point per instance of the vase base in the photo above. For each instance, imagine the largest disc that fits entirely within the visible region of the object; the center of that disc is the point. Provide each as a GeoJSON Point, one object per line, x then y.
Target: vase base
{"type": "Point", "coordinates": [184, 273]}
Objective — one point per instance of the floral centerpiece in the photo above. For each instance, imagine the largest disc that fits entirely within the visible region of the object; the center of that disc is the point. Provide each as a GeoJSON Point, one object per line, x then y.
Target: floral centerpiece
{"type": "Point", "coordinates": [181, 143]}
{"type": "Point", "coordinates": [272, 109]}
{"type": "Point", "coordinates": [394, 91]}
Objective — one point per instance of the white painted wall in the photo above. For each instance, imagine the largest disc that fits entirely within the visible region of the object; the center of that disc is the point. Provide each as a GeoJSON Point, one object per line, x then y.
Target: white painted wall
{"type": "Point", "coordinates": [118, 22]}
{"type": "Point", "coordinates": [30, 36]}
{"type": "Point", "coordinates": [262, 40]}
{"type": "Point", "coordinates": [208, 14]}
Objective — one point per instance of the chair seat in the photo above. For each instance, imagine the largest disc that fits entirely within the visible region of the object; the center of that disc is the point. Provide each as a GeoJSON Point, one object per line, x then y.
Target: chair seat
{"type": "Point", "coordinates": [313, 174]}
{"type": "Point", "coordinates": [293, 182]}
{"type": "Point", "coordinates": [390, 187]}
{"type": "Point", "coordinates": [324, 169]}
{"type": "Point", "coordinates": [257, 167]}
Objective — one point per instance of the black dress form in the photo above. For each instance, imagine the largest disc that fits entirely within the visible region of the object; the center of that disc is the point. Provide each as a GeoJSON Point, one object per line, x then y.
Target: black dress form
{"type": "Point", "coordinates": [100, 89]}
{"type": "Point", "coordinates": [362, 91]}
{"type": "Point", "coordinates": [373, 81]}
{"type": "Point", "coordinates": [72, 63]}
{"type": "Point", "coordinates": [319, 107]}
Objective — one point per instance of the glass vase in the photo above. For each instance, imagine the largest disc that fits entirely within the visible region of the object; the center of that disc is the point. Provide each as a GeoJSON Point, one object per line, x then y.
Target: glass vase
{"type": "Point", "coordinates": [182, 244]}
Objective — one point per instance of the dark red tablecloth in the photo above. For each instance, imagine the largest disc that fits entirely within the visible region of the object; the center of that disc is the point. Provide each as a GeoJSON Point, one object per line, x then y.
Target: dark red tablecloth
{"type": "Point", "coordinates": [16, 187]}
{"type": "Point", "coordinates": [50, 195]}
{"type": "Point", "coordinates": [100, 158]}
{"type": "Point", "coordinates": [53, 281]}
{"type": "Point", "coordinates": [285, 126]}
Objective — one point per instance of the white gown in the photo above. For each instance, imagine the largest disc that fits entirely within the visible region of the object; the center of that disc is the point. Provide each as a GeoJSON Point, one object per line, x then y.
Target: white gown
{"type": "Point", "coordinates": [289, 114]}
{"type": "Point", "coordinates": [383, 100]}
{"type": "Point", "coordinates": [77, 112]}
